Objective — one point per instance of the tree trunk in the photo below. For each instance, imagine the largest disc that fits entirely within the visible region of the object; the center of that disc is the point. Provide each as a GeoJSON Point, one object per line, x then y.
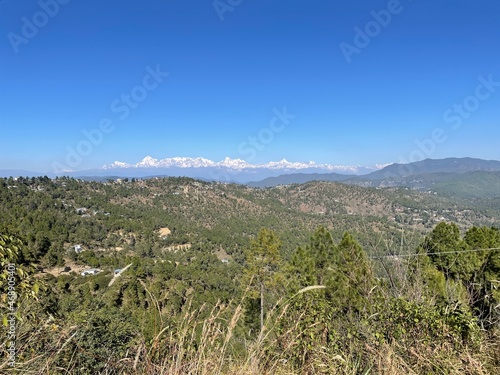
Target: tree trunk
{"type": "Point", "coordinates": [261, 306]}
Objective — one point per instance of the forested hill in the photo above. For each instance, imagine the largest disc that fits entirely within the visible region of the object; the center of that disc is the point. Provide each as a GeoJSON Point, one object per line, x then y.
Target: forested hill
{"type": "Point", "coordinates": [178, 276]}
{"type": "Point", "coordinates": [129, 214]}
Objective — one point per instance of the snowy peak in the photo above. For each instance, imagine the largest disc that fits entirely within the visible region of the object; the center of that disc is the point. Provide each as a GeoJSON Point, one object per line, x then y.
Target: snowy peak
{"type": "Point", "coordinates": [285, 164]}
{"type": "Point", "coordinates": [233, 164]}
{"type": "Point", "coordinates": [117, 164]}
{"type": "Point", "coordinates": [148, 162]}
{"type": "Point", "coordinates": [178, 162]}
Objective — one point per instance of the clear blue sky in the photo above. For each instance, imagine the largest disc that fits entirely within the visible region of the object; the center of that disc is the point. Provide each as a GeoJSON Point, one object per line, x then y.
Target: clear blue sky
{"type": "Point", "coordinates": [227, 76]}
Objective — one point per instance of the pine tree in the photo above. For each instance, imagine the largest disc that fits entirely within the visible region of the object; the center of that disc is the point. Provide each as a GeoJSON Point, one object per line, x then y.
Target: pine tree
{"type": "Point", "coordinates": [484, 286]}
{"type": "Point", "coordinates": [446, 250]}
{"type": "Point", "coordinates": [262, 262]}
{"type": "Point", "coordinates": [310, 264]}
{"type": "Point", "coordinates": [351, 279]}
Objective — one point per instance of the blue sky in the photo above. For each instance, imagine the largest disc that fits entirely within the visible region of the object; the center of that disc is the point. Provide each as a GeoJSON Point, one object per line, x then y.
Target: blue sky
{"type": "Point", "coordinates": [424, 81]}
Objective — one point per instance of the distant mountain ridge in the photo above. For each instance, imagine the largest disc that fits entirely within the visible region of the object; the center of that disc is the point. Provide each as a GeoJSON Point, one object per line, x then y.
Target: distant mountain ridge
{"type": "Point", "coordinates": [234, 164]}
{"type": "Point", "coordinates": [393, 171]}
{"type": "Point", "coordinates": [465, 177]}
{"type": "Point", "coordinates": [448, 165]}
{"type": "Point", "coordinates": [227, 170]}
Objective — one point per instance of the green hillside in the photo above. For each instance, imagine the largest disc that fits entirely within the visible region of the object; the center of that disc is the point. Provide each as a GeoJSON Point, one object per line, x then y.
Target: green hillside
{"type": "Point", "coordinates": [221, 278]}
{"type": "Point", "coordinates": [470, 185]}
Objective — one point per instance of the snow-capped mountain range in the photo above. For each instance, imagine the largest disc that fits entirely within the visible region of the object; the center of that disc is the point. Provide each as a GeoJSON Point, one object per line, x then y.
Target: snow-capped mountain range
{"type": "Point", "coordinates": [237, 165]}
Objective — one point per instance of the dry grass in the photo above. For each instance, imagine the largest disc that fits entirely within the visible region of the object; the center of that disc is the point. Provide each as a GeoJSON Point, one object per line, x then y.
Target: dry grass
{"type": "Point", "coordinates": [204, 341]}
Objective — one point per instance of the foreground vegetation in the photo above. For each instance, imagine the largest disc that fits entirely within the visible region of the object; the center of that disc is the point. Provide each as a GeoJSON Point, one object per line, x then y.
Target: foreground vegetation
{"type": "Point", "coordinates": [242, 300]}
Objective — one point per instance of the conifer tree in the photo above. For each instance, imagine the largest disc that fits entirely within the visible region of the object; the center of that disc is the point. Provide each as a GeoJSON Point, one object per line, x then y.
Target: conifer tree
{"type": "Point", "coordinates": [262, 261]}
{"type": "Point", "coordinates": [351, 279]}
